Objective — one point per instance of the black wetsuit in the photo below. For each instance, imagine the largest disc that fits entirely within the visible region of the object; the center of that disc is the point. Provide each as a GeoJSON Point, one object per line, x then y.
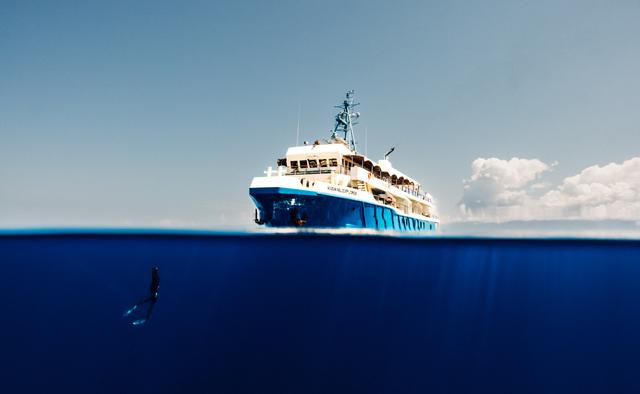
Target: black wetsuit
{"type": "Point", "coordinates": [153, 297]}
{"type": "Point", "coordinates": [155, 285]}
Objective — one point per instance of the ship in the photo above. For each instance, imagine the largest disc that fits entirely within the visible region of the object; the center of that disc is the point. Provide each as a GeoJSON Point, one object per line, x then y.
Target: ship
{"type": "Point", "coordinates": [329, 184]}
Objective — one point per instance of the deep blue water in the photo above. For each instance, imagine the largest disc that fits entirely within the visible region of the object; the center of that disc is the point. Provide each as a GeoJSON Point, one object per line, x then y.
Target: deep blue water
{"type": "Point", "coordinates": [242, 313]}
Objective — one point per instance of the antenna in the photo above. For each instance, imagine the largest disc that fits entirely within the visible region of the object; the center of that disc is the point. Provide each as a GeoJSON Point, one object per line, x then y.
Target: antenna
{"type": "Point", "coordinates": [390, 152]}
{"type": "Point", "coordinates": [298, 127]}
{"type": "Point", "coordinates": [345, 120]}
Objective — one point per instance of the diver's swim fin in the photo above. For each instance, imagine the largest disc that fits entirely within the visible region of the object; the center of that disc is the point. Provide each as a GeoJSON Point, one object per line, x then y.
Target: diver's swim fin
{"type": "Point", "coordinates": [139, 322]}
{"type": "Point", "coordinates": [130, 311]}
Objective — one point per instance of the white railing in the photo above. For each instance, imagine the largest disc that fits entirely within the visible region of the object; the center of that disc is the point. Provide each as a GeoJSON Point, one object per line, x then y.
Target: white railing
{"type": "Point", "coordinates": [280, 171]}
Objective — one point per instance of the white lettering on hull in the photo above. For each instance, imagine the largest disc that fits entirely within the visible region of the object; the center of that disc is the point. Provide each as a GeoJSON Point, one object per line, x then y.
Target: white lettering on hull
{"type": "Point", "coordinates": [342, 190]}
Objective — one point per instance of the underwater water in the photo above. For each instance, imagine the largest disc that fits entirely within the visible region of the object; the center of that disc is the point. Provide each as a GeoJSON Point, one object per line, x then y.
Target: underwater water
{"type": "Point", "coordinates": [317, 313]}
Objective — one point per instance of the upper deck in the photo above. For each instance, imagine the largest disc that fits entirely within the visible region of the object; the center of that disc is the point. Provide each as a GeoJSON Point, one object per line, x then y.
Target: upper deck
{"type": "Point", "coordinates": [336, 157]}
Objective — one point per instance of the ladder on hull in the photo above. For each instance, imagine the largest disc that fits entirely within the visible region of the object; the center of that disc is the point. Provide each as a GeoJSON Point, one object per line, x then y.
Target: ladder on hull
{"type": "Point", "coordinates": [361, 185]}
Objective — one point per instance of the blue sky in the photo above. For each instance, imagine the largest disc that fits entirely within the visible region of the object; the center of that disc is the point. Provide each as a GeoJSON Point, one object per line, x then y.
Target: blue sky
{"type": "Point", "coordinates": [159, 113]}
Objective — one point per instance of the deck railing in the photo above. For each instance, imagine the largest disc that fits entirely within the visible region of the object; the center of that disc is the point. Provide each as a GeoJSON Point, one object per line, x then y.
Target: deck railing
{"type": "Point", "coordinates": [345, 171]}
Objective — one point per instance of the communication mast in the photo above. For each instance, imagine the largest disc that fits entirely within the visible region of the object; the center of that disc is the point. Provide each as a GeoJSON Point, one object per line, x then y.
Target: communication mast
{"type": "Point", "coordinates": [345, 120]}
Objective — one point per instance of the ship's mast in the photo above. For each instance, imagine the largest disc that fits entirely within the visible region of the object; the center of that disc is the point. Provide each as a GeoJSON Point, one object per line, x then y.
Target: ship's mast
{"type": "Point", "coordinates": [345, 120]}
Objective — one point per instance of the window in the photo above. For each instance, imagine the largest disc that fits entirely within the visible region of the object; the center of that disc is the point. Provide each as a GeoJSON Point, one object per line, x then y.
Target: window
{"type": "Point", "coordinates": [333, 162]}
{"type": "Point", "coordinates": [323, 162]}
{"type": "Point", "coordinates": [294, 164]}
{"type": "Point", "coordinates": [313, 163]}
{"type": "Point", "coordinates": [303, 164]}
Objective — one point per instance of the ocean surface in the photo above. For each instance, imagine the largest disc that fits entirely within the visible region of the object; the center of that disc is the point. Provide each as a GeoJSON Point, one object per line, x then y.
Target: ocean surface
{"type": "Point", "coordinates": [317, 313]}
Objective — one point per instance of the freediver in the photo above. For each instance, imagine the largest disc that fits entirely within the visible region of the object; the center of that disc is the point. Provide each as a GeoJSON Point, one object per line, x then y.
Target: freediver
{"type": "Point", "coordinates": [153, 298]}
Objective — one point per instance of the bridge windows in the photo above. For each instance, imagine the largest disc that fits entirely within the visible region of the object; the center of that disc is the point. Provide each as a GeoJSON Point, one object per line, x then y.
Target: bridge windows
{"type": "Point", "coordinates": [312, 165]}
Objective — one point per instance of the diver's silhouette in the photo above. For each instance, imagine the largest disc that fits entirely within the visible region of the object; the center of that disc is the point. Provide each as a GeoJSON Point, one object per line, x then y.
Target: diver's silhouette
{"type": "Point", "coordinates": [153, 298]}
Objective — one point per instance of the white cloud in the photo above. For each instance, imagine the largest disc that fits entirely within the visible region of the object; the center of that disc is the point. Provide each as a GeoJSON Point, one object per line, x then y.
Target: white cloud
{"type": "Point", "coordinates": [500, 190]}
{"type": "Point", "coordinates": [514, 173]}
{"type": "Point", "coordinates": [608, 192]}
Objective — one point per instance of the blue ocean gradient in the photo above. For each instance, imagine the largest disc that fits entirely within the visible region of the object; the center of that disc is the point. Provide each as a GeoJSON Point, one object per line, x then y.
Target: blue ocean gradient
{"type": "Point", "coordinates": [317, 313]}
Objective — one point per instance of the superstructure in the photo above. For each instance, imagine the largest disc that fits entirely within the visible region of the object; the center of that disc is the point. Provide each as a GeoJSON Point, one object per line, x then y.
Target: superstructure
{"type": "Point", "coordinates": [329, 184]}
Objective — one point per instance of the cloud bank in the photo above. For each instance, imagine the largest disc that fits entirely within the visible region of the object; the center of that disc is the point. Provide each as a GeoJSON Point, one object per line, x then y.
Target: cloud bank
{"type": "Point", "coordinates": [505, 190]}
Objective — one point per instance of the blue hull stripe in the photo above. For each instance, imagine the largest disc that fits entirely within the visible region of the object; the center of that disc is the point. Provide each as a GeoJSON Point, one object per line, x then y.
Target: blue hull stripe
{"type": "Point", "coordinates": [285, 207]}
